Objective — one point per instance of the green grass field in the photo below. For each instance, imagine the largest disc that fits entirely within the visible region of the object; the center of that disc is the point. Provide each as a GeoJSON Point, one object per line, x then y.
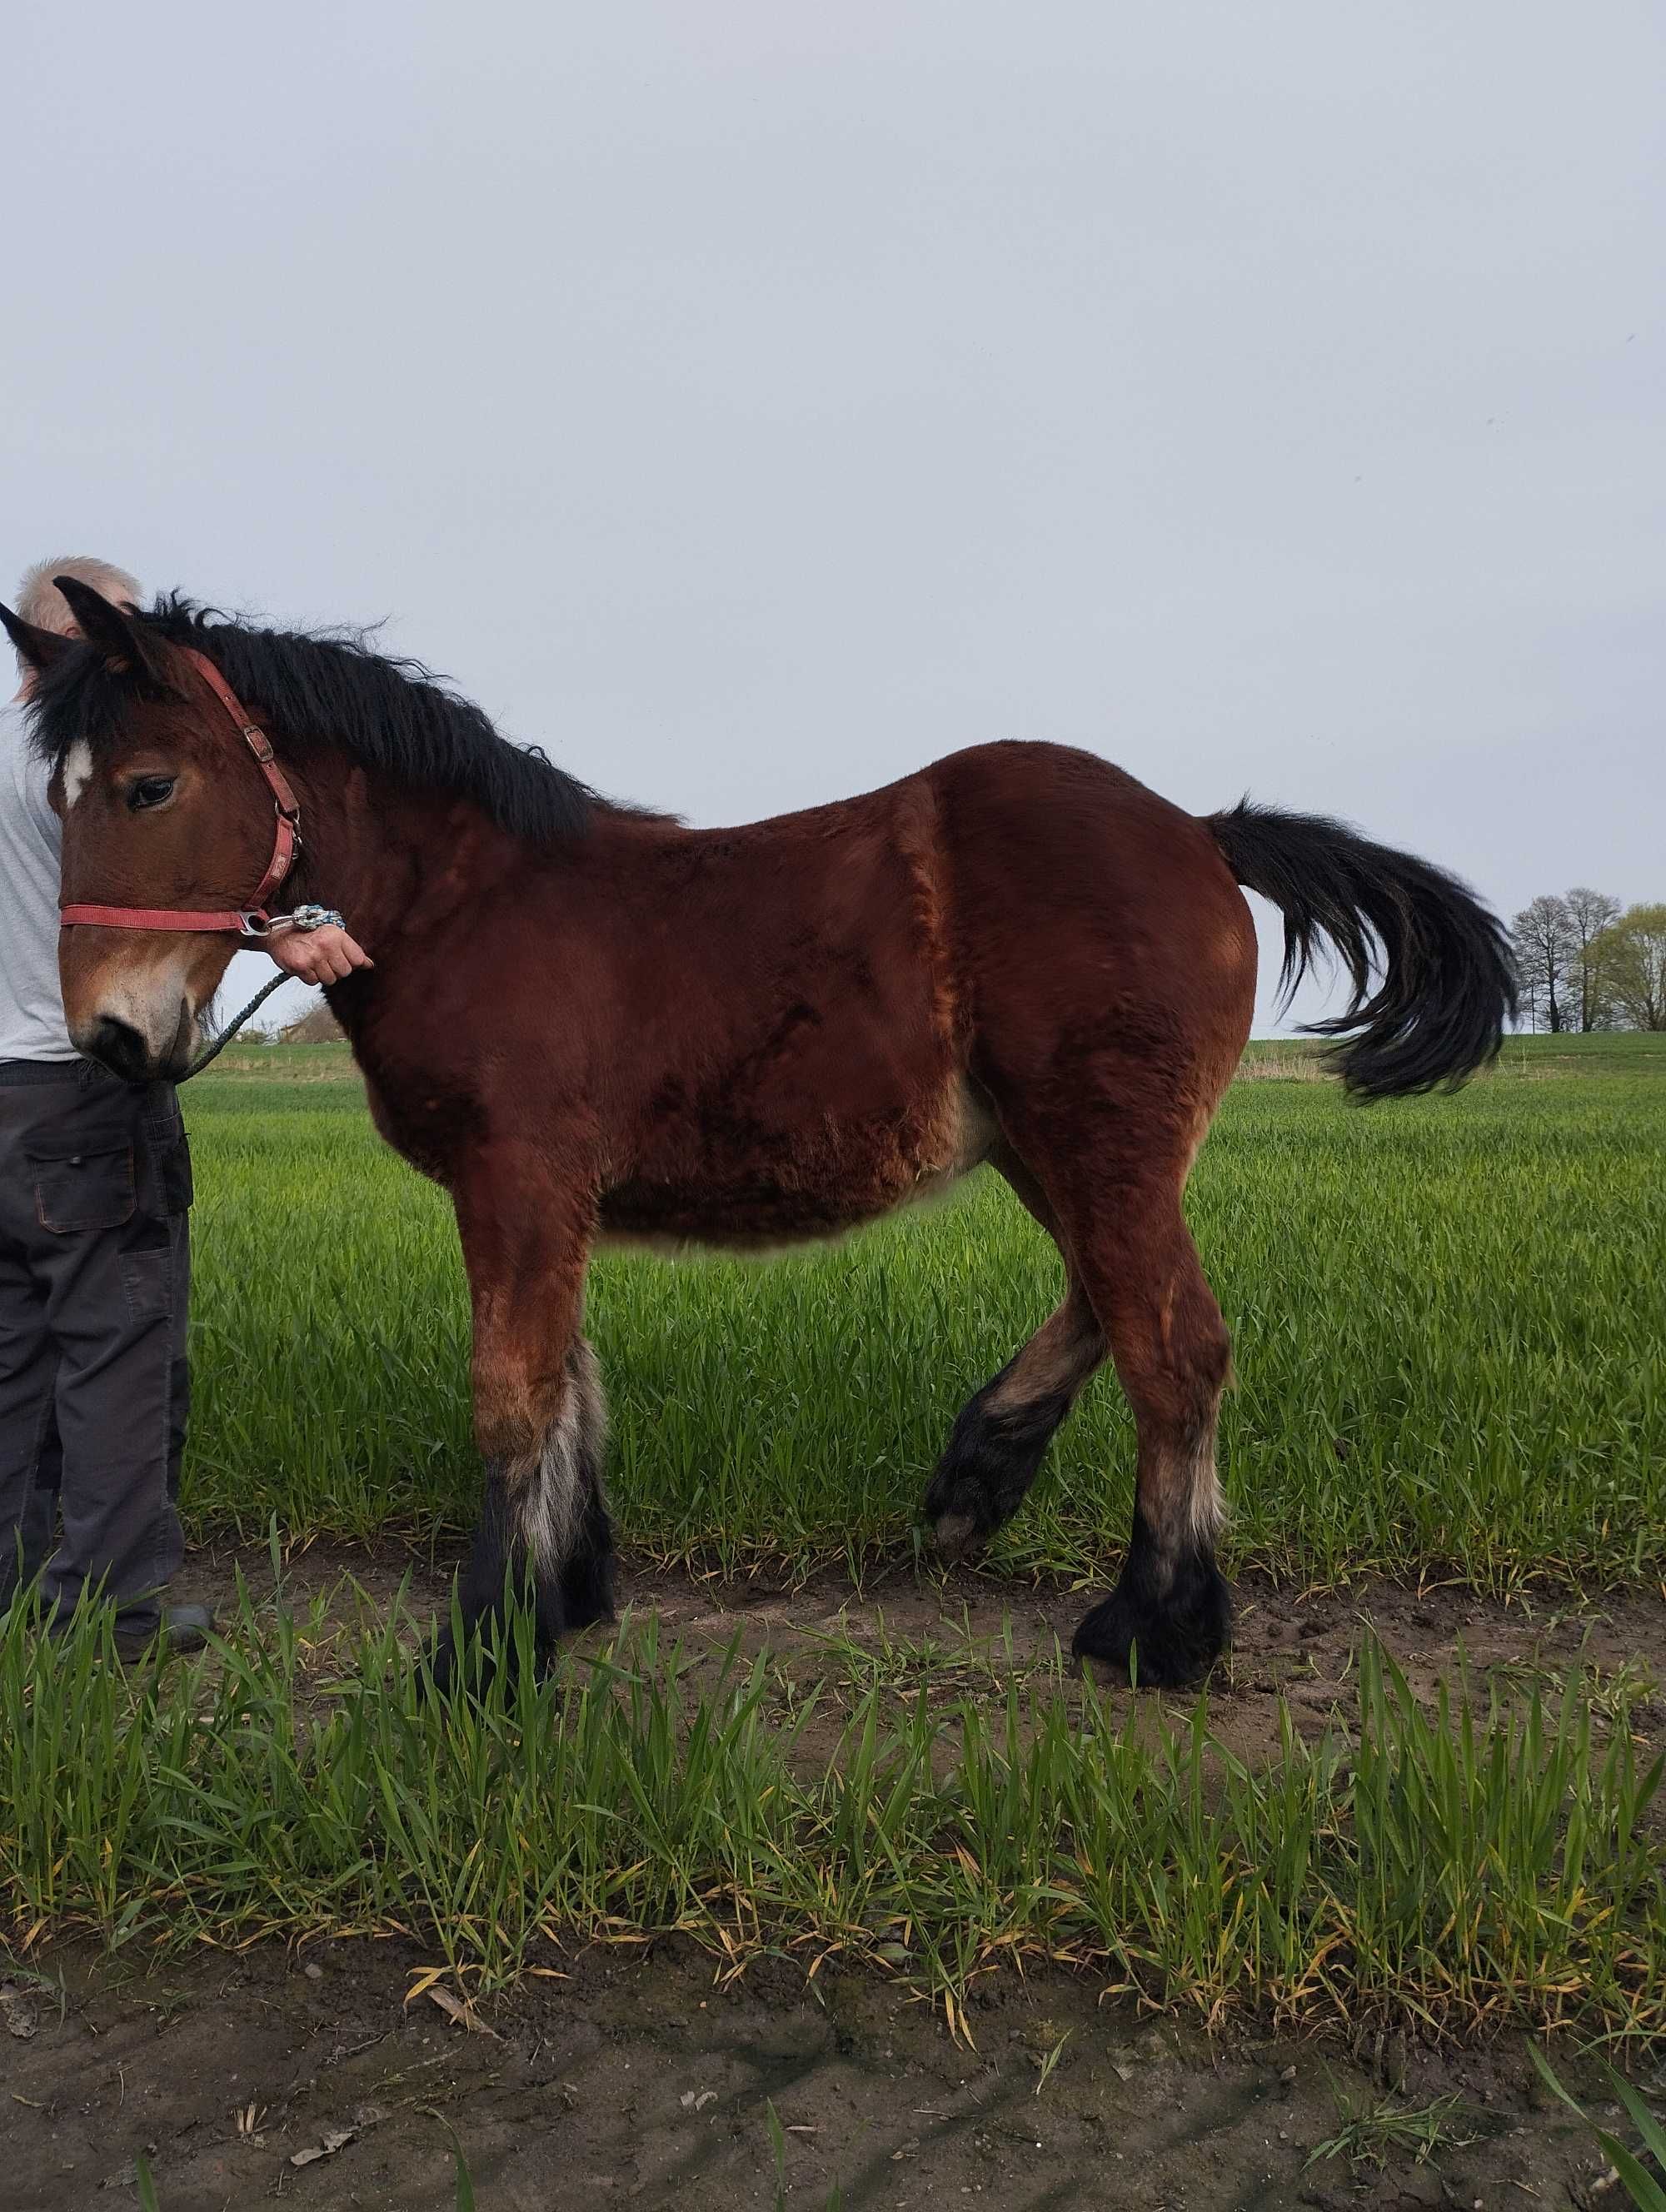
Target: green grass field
{"type": "Point", "coordinates": [1448, 1316]}
{"type": "Point", "coordinates": [1450, 1871]}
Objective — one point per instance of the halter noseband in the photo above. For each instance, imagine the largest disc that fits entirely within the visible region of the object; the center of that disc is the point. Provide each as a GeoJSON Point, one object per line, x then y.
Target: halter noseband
{"type": "Point", "coordinates": [251, 921]}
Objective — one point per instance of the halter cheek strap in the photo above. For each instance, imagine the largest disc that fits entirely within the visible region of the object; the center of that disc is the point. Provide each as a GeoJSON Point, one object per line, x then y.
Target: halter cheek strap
{"type": "Point", "coordinates": [251, 921]}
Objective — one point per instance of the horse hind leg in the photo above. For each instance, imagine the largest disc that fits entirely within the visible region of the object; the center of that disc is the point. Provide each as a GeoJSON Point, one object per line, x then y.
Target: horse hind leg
{"type": "Point", "coordinates": [1171, 1612]}
{"type": "Point", "coordinates": [1000, 1437]}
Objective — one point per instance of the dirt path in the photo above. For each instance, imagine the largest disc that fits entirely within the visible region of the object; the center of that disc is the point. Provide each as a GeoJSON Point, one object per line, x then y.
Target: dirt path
{"type": "Point", "coordinates": [962, 1634]}
{"type": "Point", "coordinates": [639, 2081]}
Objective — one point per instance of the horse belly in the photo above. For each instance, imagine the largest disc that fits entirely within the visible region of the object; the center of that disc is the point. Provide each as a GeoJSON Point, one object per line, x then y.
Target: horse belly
{"type": "Point", "coordinates": [828, 1175]}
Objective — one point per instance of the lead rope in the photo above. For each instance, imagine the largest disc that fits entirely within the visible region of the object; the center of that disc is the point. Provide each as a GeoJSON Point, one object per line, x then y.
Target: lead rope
{"type": "Point", "coordinates": [304, 917]}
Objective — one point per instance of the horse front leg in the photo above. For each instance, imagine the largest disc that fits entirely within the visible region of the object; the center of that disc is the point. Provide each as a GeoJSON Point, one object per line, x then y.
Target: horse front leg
{"type": "Point", "coordinates": [540, 1417]}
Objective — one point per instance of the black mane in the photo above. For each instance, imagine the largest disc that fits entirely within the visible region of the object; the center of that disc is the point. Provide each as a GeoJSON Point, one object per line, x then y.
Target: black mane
{"type": "Point", "coordinates": [330, 688]}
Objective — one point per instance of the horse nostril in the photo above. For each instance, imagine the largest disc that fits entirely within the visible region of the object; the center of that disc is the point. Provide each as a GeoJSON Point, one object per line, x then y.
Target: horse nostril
{"type": "Point", "coordinates": [121, 1049]}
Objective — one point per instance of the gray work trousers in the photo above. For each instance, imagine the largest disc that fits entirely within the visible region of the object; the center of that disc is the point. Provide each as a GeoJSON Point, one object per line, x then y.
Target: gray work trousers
{"type": "Point", "coordinates": [95, 1281]}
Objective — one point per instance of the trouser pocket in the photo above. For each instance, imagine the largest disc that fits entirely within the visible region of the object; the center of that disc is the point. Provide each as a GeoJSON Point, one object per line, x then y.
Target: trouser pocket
{"type": "Point", "coordinates": [168, 1153]}
{"type": "Point", "coordinates": [147, 1281]}
{"type": "Point", "coordinates": [82, 1185]}
{"type": "Point", "coordinates": [172, 1161]}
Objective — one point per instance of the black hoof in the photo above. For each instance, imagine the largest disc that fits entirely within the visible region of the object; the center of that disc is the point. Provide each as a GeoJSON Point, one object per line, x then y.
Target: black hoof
{"type": "Point", "coordinates": [990, 1462]}
{"type": "Point", "coordinates": [1163, 1644]}
{"type": "Point", "coordinates": [448, 1668]}
{"type": "Point", "coordinates": [597, 1612]}
{"type": "Point", "coordinates": [438, 1667]}
{"type": "Point", "coordinates": [468, 1669]}
{"type": "Point", "coordinates": [586, 1586]}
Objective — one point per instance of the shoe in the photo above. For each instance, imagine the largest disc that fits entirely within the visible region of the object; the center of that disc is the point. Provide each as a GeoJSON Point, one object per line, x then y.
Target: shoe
{"type": "Point", "coordinates": [182, 1628]}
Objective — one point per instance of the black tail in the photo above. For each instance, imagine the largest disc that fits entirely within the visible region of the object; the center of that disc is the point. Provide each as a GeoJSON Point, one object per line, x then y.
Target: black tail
{"type": "Point", "coordinates": [1447, 982]}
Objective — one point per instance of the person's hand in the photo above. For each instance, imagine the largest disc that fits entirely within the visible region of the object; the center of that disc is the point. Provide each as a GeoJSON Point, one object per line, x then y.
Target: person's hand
{"type": "Point", "coordinates": [318, 956]}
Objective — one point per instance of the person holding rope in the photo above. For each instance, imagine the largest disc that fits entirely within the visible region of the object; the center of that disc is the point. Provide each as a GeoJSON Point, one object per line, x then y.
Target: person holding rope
{"type": "Point", "coordinates": [95, 1249]}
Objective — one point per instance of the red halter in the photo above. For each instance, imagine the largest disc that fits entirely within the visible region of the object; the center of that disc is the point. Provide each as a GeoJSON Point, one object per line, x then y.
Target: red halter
{"type": "Point", "coordinates": [245, 921]}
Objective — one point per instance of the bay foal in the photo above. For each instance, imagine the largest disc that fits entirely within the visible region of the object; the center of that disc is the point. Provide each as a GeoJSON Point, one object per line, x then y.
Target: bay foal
{"type": "Point", "coordinates": [1018, 956]}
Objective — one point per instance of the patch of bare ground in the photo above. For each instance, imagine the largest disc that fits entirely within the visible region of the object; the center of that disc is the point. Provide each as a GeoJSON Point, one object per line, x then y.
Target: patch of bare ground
{"type": "Point", "coordinates": [963, 1634]}
{"type": "Point", "coordinates": [639, 2078]}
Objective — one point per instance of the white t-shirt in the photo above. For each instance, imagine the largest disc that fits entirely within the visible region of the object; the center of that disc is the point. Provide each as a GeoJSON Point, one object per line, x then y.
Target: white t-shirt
{"type": "Point", "coordinates": [31, 847]}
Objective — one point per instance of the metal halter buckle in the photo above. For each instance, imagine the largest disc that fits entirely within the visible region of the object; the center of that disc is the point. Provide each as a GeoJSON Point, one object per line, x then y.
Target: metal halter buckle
{"type": "Point", "coordinates": [303, 918]}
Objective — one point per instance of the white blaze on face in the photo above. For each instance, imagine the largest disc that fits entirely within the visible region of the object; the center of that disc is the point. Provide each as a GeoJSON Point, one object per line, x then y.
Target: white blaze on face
{"type": "Point", "coordinates": [77, 771]}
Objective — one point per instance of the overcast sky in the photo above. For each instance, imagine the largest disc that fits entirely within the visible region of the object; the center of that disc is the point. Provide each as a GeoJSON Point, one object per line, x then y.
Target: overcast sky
{"type": "Point", "coordinates": [752, 401]}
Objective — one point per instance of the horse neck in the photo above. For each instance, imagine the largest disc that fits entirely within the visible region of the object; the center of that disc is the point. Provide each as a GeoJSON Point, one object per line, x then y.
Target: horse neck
{"type": "Point", "coordinates": [397, 862]}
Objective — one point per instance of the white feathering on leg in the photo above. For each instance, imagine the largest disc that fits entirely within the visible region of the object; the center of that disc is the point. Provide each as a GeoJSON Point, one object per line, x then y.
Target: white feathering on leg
{"type": "Point", "coordinates": [552, 1499]}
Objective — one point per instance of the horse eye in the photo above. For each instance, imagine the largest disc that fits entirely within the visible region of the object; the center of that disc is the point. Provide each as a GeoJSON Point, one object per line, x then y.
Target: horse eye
{"type": "Point", "coordinates": [151, 791]}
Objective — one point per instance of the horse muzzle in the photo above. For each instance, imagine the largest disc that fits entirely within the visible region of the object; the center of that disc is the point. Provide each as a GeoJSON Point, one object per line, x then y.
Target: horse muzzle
{"type": "Point", "coordinates": [116, 1043]}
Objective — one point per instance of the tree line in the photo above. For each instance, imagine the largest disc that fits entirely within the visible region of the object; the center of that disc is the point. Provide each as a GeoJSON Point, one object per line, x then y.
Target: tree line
{"type": "Point", "coordinates": [1583, 963]}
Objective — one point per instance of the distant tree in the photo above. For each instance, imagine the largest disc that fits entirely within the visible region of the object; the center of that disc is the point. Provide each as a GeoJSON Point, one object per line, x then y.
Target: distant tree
{"type": "Point", "coordinates": [1543, 937]}
{"type": "Point", "coordinates": [1590, 913]}
{"type": "Point", "coordinates": [1630, 960]}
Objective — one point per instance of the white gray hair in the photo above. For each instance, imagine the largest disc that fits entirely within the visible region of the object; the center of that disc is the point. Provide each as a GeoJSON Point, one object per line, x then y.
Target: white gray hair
{"type": "Point", "coordinates": [40, 603]}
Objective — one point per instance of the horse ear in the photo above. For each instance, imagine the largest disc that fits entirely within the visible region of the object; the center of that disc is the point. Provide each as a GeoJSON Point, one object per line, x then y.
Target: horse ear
{"type": "Point", "coordinates": [38, 649]}
{"type": "Point", "coordinates": [127, 648]}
